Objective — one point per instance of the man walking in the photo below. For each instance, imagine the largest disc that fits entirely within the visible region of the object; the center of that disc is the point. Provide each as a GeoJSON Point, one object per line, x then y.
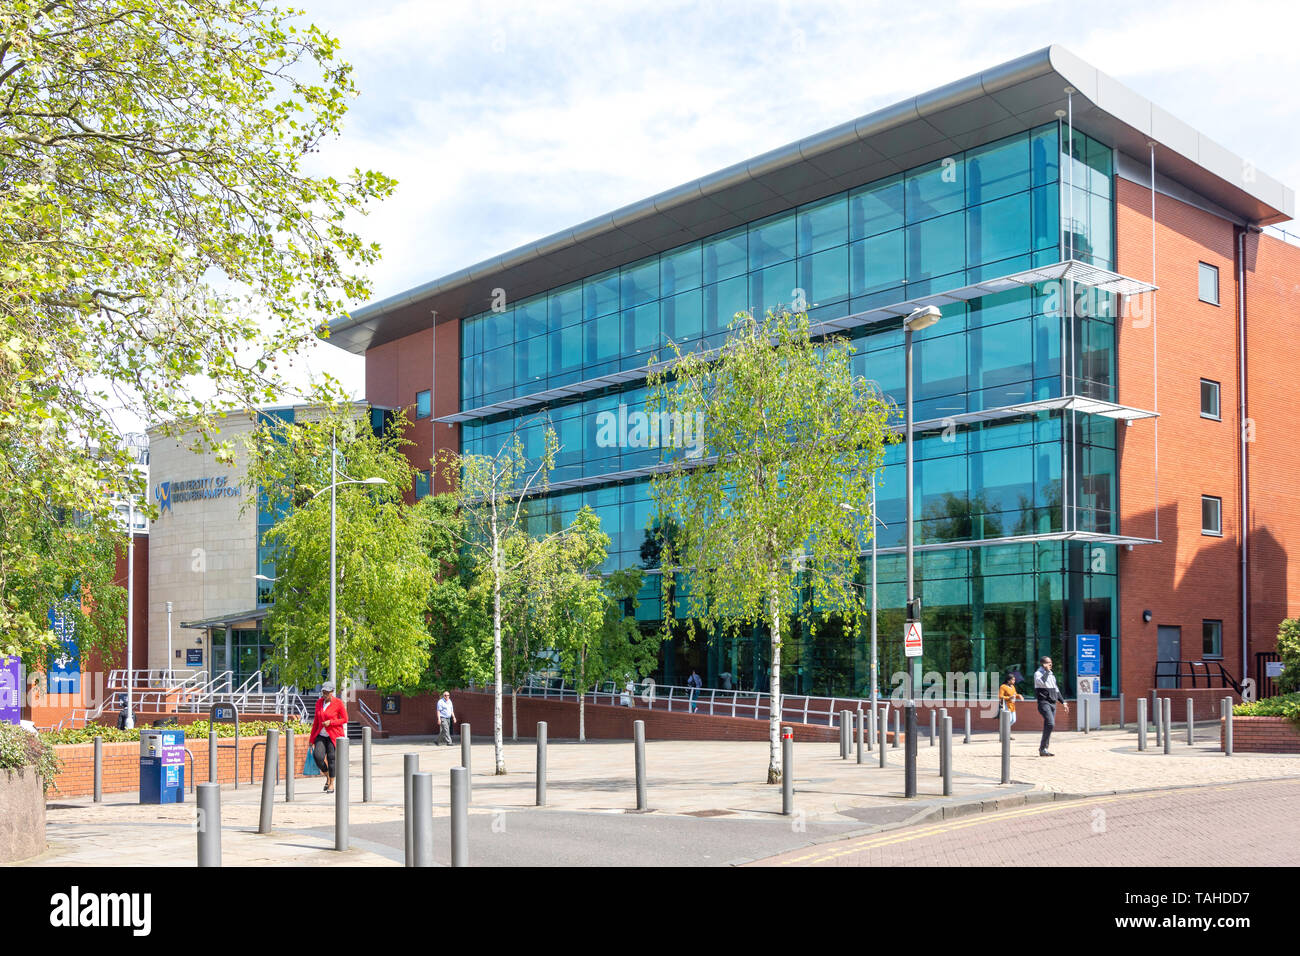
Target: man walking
{"type": "Point", "coordinates": [1048, 695]}
{"type": "Point", "coordinates": [694, 683]}
{"type": "Point", "coordinates": [446, 715]}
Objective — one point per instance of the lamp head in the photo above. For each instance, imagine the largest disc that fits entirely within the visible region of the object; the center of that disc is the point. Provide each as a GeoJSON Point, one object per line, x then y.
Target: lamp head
{"type": "Point", "coordinates": [922, 318]}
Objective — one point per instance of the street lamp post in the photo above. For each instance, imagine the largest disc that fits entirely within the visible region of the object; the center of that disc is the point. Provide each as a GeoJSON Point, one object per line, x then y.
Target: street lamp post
{"type": "Point", "coordinates": [919, 319]}
{"type": "Point", "coordinates": [875, 666]}
{"type": "Point", "coordinates": [334, 484]}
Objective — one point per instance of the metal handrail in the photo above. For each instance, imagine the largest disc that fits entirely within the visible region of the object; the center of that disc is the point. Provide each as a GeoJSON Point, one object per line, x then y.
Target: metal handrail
{"type": "Point", "coordinates": [1209, 672]}
{"type": "Point", "coordinates": [370, 715]}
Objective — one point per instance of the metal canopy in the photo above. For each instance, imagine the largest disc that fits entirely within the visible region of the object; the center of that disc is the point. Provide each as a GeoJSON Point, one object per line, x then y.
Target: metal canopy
{"type": "Point", "coordinates": [237, 620]}
{"type": "Point", "coordinates": [1071, 270]}
{"type": "Point", "coordinates": [1009, 98]}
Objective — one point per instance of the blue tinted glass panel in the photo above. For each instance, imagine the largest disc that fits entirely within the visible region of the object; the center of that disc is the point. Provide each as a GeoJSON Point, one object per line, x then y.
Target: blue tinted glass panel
{"type": "Point", "coordinates": [565, 306]}
{"type": "Point", "coordinates": [998, 170]}
{"type": "Point", "coordinates": [530, 317]}
{"type": "Point", "coordinates": [603, 341]}
{"type": "Point", "coordinates": [1044, 155]}
{"type": "Point", "coordinates": [641, 329]}
{"type": "Point", "coordinates": [680, 269]}
{"type": "Point", "coordinates": [936, 247]}
{"type": "Point", "coordinates": [935, 189]}
{"type": "Point", "coordinates": [566, 349]}
{"type": "Point", "coordinates": [498, 329]}
{"type": "Point", "coordinates": [876, 208]}
{"type": "Point", "coordinates": [682, 316]}
{"type": "Point", "coordinates": [772, 287]}
{"type": "Point", "coordinates": [824, 277]}
{"type": "Point", "coordinates": [824, 224]}
{"type": "Point", "coordinates": [877, 263]}
{"type": "Point", "coordinates": [998, 230]}
{"type": "Point", "coordinates": [640, 283]}
{"type": "Point", "coordinates": [771, 241]}
{"type": "Point", "coordinates": [423, 404]}
{"type": "Point", "coordinates": [726, 255]}
{"type": "Point", "coordinates": [721, 303]}
{"type": "Point", "coordinates": [600, 295]}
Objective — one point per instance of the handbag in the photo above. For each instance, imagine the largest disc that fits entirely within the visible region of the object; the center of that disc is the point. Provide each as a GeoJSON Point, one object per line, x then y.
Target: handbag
{"type": "Point", "coordinates": [309, 768]}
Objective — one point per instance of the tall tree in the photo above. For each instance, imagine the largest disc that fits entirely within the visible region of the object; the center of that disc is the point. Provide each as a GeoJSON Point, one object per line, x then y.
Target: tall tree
{"type": "Point", "coordinates": [790, 436]}
{"type": "Point", "coordinates": [493, 492]}
{"type": "Point", "coordinates": [384, 566]}
{"type": "Point", "coordinates": [163, 254]}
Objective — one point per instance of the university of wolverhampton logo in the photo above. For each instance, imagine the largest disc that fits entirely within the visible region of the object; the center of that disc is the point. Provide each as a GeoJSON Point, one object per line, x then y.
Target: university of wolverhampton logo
{"type": "Point", "coordinates": [163, 493]}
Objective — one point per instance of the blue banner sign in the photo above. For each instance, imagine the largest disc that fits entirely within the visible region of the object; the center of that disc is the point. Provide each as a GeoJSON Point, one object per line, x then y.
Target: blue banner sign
{"type": "Point", "coordinates": [1087, 655]}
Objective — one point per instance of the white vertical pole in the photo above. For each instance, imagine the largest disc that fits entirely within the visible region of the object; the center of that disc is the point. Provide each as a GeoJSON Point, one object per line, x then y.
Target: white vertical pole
{"type": "Point", "coordinates": [333, 576]}
{"type": "Point", "coordinates": [130, 608]}
{"type": "Point", "coordinates": [169, 638]}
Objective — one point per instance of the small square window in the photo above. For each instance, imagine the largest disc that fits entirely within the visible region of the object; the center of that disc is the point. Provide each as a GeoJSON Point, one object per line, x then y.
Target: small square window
{"type": "Point", "coordinates": [1208, 284]}
{"type": "Point", "coordinates": [421, 484]}
{"type": "Point", "coordinates": [423, 404]}
{"type": "Point", "coordinates": [1212, 639]}
{"type": "Point", "coordinates": [1211, 515]}
{"type": "Point", "coordinates": [1210, 399]}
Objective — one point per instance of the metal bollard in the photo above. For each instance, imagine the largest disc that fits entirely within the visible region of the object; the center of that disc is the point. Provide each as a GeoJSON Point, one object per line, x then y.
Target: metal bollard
{"type": "Point", "coordinates": [1121, 710]}
{"type": "Point", "coordinates": [1004, 734]}
{"type": "Point", "coordinates": [1142, 723]}
{"type": "Point", "coordinates": [945, 756]}
{"type": "Point", "coordinates": [860, 730]}
{"type": "Point", "coordinates": [966, 739]}
{"type": "Point", "coordinates": [212, 757]}
{"type": "Point", "coordinates": [881, 726]}
{"type": "Point", "coordinates": [410, 767]}
{"type": "Point", "coordinates": [1191, 723]}
{"type": "Point", "coordinates": [787, 771]}
{"type": "Point", "coordinates": [909, 754]}
{"type": "Point", "coordinates": [844, 735]}
{"type": "Point", "coordinates": [460, 816]}
{"type": "Point", "coordinates": [638, 740]}
{"type": "Point", "coordinates": [871, 727]}
{"type": "Point", "coordinates": [208, 824]}
{"type": "Point", "coordinates": [365, 765]}
{"type": "Point", "coordinates": [99, 769]}
{"type": "Point", "coordinates": [419, 819]}
{"type": "Point", "coordinates": [270, 774]}
{"type": "Point", "coordinates": [1156, 716]}
{"type": "Point", "coordinates": [898, 727]}
{"type": "Point", "coordinates": [1227, 727]}
{"type": "Point", "coordinates": [290, 766]}
{"type": "Point", "coordinates": [1166, 721]}
{"type": "Point", "coordinates": [934, 725]}
{"type": "Point", "coordinates": [466, 740]}
{"type": "Point", "coordinates": [341, 781]}
{"type": "Point", "coordinates": [1083, 712]}
{"type": "Point", "coordinates": [541, 763]}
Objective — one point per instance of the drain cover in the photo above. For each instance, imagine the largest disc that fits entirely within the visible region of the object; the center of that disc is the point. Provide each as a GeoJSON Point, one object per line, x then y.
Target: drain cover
{"type": "Point", "coordinates": [708, 813]}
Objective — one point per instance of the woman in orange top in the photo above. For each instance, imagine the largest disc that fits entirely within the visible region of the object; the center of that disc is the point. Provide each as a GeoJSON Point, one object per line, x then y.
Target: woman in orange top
{"type": "Point", "coordinates": [1008, 695]}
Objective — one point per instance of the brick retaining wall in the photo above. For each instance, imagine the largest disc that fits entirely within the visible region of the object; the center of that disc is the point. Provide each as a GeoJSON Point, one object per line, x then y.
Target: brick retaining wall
{"type": "Point", "coordinates": [1263, 735]}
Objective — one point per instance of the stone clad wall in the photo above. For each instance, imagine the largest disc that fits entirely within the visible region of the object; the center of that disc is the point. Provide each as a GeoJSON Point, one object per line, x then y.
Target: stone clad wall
{"type": "Point", "coordinates": [22, 815]}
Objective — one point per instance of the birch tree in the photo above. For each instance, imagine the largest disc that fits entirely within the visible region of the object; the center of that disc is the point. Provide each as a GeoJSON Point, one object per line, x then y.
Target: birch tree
{"type": "Point", "coordinates": [493, 492]}
{"type": "Point", "coordinates": [790, 435]}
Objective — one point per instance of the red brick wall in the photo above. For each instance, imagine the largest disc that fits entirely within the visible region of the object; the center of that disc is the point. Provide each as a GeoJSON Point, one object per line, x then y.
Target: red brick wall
{"type": "Point", "coordinates": [395, 373]}
{"type": "Point", "coordinates": [1272, 324]}
{"type": "Point", "coordinates": [122, 764]}
{"type": "Point", "coordinates": [1189, 577]}
{"type": "Point", "coordinates": [1265, 735]}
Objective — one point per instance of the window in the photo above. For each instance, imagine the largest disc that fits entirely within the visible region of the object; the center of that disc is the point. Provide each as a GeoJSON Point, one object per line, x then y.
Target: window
{"type": "Point", "coordinates": [423, 404]}
{"type": "Point", "coordinates": [1209, 399]}
{"type": "Point", "coordinates": [421, 484]}
{"type": "Point", "coordinates": [1208, 284]}
{"type": "Point", "coordinates": [1211, 515]}
{"type": "Point", "coordinates": [1211, 638]}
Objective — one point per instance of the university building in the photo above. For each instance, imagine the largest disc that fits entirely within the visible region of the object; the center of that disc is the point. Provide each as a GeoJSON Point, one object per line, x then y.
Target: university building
{"type": "Point", "coordinates": [1101, 410]}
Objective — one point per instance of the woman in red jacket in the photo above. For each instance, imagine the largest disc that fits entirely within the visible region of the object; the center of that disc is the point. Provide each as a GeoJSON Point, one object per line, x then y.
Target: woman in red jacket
{"type": "Point", "coordinates": [330, 724]}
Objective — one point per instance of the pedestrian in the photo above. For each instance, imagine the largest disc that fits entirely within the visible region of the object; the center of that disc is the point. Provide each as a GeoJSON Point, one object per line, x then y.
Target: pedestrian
{"type": "Point", "coordinates": [330, 723]}
{"type": "Point", "coordinates": [446, 717]}
{"type": "Point", "coordinates": [694, 683]}
{"type": "Point", "coordinates": [1048, 696]}
{"type": "Point", "coordinates": [1008, 695]}
{"type": "Point", "coordinates": [726, 679]}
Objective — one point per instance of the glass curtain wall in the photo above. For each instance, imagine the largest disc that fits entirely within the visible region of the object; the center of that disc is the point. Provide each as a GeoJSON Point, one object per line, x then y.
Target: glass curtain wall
{"type": "Point", "coordinates": [995, 210]}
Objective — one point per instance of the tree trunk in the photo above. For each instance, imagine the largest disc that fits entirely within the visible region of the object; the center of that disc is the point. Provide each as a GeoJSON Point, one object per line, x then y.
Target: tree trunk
{"type": "Point", "coordinates": [774, 768]}
{"type": "Point", "coordinates": [498, 742]}
{"type": "Point", "coordinates": [582, 699]}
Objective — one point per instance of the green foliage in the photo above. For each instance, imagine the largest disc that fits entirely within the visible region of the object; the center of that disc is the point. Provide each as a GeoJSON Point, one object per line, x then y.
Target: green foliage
{"type": "Point", "coordinates": [20, 748]}
{"type": "Point", "coordinates": [163, 256]}
{"type": "Point", "coordinates": [790, 436]}
{"type": "Point", "coordinates": [1288, 648]}
{"type": "Point", "coordinates": [1285, 705]}
{"type": "Point", "coordinates": [195, 731]}
{"type": "Point", "coordinates": [384, 570]}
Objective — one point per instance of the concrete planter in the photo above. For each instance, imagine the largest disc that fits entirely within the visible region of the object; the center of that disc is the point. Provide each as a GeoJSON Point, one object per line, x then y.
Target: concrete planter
{"type": "Point", "coordinates": [22, 815]}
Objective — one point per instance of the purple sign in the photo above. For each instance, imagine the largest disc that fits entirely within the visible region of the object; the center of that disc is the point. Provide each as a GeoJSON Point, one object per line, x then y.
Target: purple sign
{"type": "Point", "coordinates": [173, 756]}
{"type": "Point", "coordinates": [11, 688]}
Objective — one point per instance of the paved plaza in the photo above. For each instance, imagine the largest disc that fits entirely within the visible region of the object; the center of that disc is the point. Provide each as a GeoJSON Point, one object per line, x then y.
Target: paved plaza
{"type": "Point", "coordinates": [708, 805]}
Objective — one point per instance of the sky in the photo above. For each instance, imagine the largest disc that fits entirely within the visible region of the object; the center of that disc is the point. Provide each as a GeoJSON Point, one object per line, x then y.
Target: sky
{"type": "Point", "coordinates": [505, 122]}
